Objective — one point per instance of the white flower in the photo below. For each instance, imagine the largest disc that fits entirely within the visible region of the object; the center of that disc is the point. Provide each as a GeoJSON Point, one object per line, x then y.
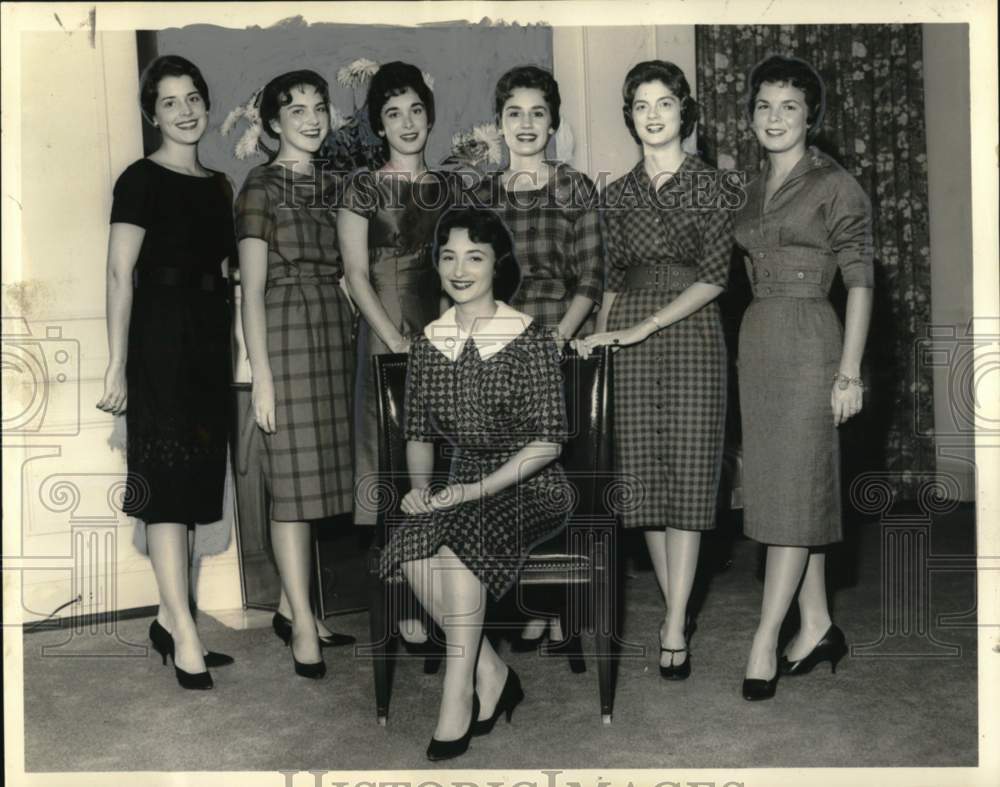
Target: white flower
{"type": "Point", "coordinates": [489, 135]}
{"type": "Point", "coordinates": [428, 80]}
{"type": "Point", "coordinates": [357, 73]}
{"type": "Point", "coordinates": [721, 61]}
{"type": "Point", "coordinates": [231, 119]}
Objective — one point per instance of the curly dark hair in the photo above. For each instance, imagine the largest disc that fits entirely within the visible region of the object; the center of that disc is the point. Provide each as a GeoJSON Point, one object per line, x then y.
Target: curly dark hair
{"type": "Point", "coordinates": [529, 77]}
{"type": "Point", "coordinates": [484, 226]}
{"type": "Point", "coordinates": [168, 66]}
{"type": "Point", "coordinates": [780, 69]}
{"type": "Point", "coordinates": [394, 79]}
{"type": "Point", "coordinates": [671, 76]}
{"type": "Point", "coordinates": [278, 93]}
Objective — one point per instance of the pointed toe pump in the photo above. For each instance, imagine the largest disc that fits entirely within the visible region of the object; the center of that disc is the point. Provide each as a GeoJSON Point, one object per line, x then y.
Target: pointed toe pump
{"type": "Point", "coordinates": [510, 697]}
{"type": "Point", "coordinates": [283, 630]}
{"type": "Point", "coordinates": [447, 750]}
{"type": "Point", "coordinates": [163, 643]}
{"type": "Point", "coordinates": [832, 647]}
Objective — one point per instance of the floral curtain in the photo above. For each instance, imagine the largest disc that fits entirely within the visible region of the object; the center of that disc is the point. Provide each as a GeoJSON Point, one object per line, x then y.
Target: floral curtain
{"type": "Point", "coordinates": [874, 126]}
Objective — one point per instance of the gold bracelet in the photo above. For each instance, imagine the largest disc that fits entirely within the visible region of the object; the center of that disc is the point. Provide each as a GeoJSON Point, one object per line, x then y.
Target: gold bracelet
{"type": "Point", "coordinates": [845, 381]}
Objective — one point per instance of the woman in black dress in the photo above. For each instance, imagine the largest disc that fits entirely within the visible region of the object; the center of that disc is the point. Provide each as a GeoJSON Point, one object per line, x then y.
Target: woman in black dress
{"type": "Point", "coordinates": [487, 377]}
{"type": "Point", "coordinates": [168, 336]}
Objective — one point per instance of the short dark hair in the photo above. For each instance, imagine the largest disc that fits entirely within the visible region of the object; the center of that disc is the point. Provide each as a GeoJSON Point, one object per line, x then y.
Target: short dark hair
{"type": "Point", "coordinates": [671, 76]}
{"type": "Point", "coordinates": [278, 93]}
{"type": "Point", "coordinates": [393, 79]}
{"type": "Point", "coordinates": [168, 66]}
{"type": "Point", "coordinates": [529, 77]}
{"type": "Point", "coordinates": [797, 73]}
{"type": "Point", "coordinates": [484, 226]}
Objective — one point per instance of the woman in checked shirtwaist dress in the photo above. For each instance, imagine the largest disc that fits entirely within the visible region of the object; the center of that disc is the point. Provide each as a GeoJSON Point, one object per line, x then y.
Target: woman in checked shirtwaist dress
{"type": "Point", "coordinates": [297, 323]}
{"type": "Point", "coordinates": [668, 259]}
{"type": "Point", "coordinates": [804, 218]}
{"type": "Point", "coordinates": [548, 207]}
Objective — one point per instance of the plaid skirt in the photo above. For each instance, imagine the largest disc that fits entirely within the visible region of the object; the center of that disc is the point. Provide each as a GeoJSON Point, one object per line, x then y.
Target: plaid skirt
{"type": "Point", "coordinates": [669, 411]}
{"type": "Point", "coordinates": [307, 461]}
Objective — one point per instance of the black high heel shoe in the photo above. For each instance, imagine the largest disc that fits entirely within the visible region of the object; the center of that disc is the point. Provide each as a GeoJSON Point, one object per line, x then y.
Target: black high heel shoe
{"type": "Point", "coordinates": [283, 630]}
{"type": "Point", "coordinates": [832, 647]}
{"type": "Point", "coordinates": [446, 750]}
{"type": "Point", "coordinates": [755, 689]}
{"type": "Point", "coordinates": [314, 670]}
{"type": "Point", "coordinates": [510, 697]}
{"type": "Point", "coordinates": [163, 643]}
{"type": "Point", "coordinates": [682, 671]}
{"type": "Point", "coordinates": [159, 634]}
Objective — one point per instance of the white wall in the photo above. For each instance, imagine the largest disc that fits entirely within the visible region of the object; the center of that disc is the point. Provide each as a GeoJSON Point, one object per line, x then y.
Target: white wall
{"type": "Point", "coordinates": [79, 128]}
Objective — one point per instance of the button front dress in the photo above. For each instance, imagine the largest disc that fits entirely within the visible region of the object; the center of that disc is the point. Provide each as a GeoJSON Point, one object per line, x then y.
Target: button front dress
{"type": "Point", "coordinates": [307, 465]}
{"type": "Point", "coordinates": [557, 239]}
{"type": "Point", "coordinates": [817, 221]}
{"type": "Point", "coordinates": [177, 368]}
{"type": "Point", "coordinates": [401, 220]}
{"type": "Point", "coordinates": [488, 397]}
{"type": "Point", "coordinates": [670, 390]}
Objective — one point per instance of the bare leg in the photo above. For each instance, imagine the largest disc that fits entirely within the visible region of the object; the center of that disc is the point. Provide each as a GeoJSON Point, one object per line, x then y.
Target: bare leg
{"type": "Point", "coordinates": [813, 609]}
{"type": "Point", "coordinates": [781, 579]}
{"type": "Point", "coordinates": [674, 554]}
{"type": "Point", "coordinates": [292, 542]}
{"type": "Point", "coordinates": [168, 551]}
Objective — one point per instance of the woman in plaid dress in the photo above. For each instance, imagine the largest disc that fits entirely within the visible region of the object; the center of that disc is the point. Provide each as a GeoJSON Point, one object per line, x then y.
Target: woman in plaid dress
{"type": "Point", "coordinates": [669, 243]}
{"type": "Point", "coordinates": [551, 210]}
{"type": "Point", "coordinates": [486, 377]}
{"type": "Point", "coordinates": [297, 323]}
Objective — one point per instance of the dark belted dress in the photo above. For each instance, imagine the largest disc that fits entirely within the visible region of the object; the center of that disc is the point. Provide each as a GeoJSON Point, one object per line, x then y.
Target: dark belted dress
{"type": "Point", "coordinates": [670, 390]}
{"type": "Point", "coordinates": [817, 221]}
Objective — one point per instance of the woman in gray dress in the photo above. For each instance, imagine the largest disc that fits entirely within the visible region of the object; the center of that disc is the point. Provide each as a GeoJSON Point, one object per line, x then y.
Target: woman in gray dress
{"type": "Point", "coordinates": [804, 218]}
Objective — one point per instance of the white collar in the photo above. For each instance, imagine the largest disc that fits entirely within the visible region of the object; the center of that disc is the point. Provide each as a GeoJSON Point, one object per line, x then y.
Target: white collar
{"type": "Point", "coordinates": [490, 335]}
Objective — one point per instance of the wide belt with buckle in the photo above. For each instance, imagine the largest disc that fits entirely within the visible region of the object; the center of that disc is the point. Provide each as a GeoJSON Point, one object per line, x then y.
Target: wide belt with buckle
{"type": "Point", "coordinates": [660, 277]}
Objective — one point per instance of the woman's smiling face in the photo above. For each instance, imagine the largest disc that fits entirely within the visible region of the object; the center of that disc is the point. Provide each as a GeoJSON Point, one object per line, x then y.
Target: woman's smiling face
{"type": "Point", "coordinates": [656, 114]}
{"type": "Point", "coordinates": [466, 268]}
{"type": "Point", "coordinates": [526, 121]}
{"type": "Point", "coordinates": [405, 122]}
{"type": "Point", "coordinates": [303, 123]}
{"type": "Point", "coordinates": [180, 112]}
{"type": "Point", "coordinates": [779, 117]}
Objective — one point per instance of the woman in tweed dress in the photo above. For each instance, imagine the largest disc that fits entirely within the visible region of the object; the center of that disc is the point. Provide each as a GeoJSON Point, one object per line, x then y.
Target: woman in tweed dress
{"type": "Point", "coordinates": [669, 243]}
{"type": "Point", "coordinates": [804, 218]}
{"type": "Point", "coordinates": [487, 377]}
{"type": "Point", "coordinates": [551, 211]}
{"type": "Point", "coordinates": [297, 323]}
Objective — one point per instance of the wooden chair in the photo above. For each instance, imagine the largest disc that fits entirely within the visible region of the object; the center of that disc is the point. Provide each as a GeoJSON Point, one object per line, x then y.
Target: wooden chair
{"type": "Point", "coordinates": [580, 561]}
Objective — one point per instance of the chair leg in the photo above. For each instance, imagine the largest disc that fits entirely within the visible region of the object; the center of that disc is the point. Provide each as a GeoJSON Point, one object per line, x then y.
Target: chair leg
{"type": "Point", "coordinates": [571, 646]}
{"type": "Point", "coordinates": [603, 607]}
{"type": "Point", "coordinates": [378, 620]}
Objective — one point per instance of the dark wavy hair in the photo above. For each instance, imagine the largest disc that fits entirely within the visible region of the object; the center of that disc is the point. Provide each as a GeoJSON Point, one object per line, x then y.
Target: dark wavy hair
{"type": "Point", "coordinates": [779, 69]}
{"type": "Point", "coordinates": [168, 66]}
{"type": "Point", "coordinates": [484, 226]}
{"type": "Point", "coordinates": [529, 77]}
{"type": "Point", "coordinates": [393, 79]}
{"type": "Point", "coordinates": [278, 93]}
{"type": "Point", "coordinates": [671, 76]}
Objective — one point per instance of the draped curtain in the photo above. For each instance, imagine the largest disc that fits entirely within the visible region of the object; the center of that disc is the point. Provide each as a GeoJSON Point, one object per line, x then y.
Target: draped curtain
{"type": "Point", "coordinates": [874, 126]}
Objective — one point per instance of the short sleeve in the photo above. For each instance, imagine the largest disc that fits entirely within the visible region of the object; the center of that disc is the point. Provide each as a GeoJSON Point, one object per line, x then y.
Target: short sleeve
{"type": "Point", "coordinates": [716, 230]}
{"type": "Point", "coordinates": [361, 194]}
{"type": "Point", "coordinates": [133, 197]}
{"type": "Point", "coordinates": [588, 251]}
{"type": "Point", "coordinates": [614, 247]}
{"type": "Point", "coordinates": [417, 422]}
{"type": "Point", "coordinates": [849, 225]}
{"type": "Point", "coordinates": [551, 424]}
{"type": "Point", "coordinates": [254, 215]}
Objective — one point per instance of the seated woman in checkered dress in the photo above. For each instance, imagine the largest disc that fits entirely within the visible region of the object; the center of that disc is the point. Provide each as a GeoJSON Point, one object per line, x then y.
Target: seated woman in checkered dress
{"type": "Point", "coordinates": [486, 377]}
{"type": "Point", "coordinates": [551, 210]}
{"type": "Point", "coordinates": [297, 324]}
{"type": "Point", "coordinates": [669, 241]}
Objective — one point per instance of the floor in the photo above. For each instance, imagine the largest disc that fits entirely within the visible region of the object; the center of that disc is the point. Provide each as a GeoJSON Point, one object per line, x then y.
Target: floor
{"type": "Point", "coordinates": [903, 700]}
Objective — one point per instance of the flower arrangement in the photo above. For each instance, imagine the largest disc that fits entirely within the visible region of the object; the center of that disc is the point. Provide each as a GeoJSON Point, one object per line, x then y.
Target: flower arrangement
{"type": "Point", "coordinates": [476, 147]}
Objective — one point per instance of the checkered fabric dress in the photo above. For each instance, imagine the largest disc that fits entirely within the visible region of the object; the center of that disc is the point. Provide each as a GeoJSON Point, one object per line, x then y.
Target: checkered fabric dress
{"type": "Point", "coordinates": [488, 410]}
{"type": "Point", "coordinates": [670, 390]}
{"type": "Point", "coordinates": [557, 239]}
{"type": "Point", "coordinates": [309, 320]}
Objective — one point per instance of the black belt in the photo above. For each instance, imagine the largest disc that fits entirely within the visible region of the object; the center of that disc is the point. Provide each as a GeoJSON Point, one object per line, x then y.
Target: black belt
{"type": "Point", "coordinates": [660, 277]}
{"type": "Point", "coordinates": [180, 278]}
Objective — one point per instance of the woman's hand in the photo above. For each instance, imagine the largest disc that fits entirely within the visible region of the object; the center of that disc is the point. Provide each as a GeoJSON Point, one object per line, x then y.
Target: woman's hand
{"type": "Point", "coordinates": [417, 501]}
{"type": "Point", "coordinates": [262, 397]}
{"type": "Point", "coordinates": [402, 345]}
{"type": "Point", "coordinates": [846, 400]}
{"type": "Point", "coordinates": [452, 495]}
{"type": "Point", "coordinates": [615, 339]}
{"type": "Point", "coordinates": [115, 396]}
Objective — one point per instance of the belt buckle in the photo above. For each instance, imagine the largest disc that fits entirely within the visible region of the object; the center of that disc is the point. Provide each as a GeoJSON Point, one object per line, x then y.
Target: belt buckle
{"type": "Point", "coordinates": [657, 272]}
